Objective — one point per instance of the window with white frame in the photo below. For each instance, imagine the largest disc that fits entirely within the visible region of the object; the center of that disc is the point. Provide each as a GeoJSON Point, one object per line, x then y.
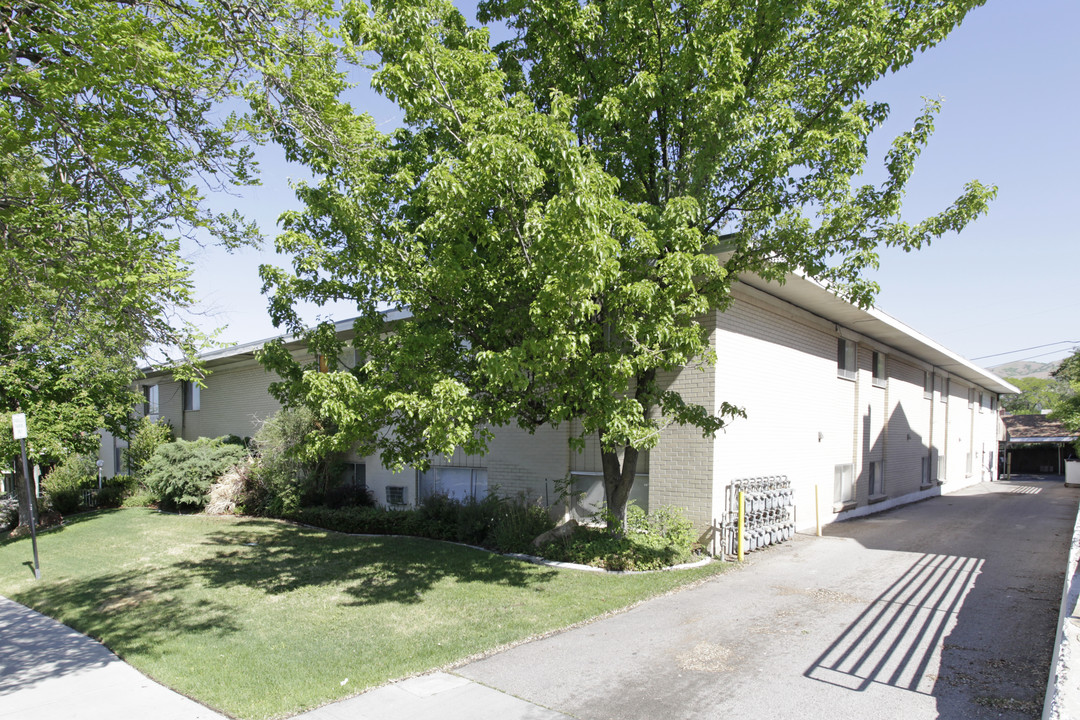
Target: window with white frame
{"type": "Point", "coordinates": [877, 478]}
{"type": "Point", "coordinates": [845, 358]}
{"type": "Point", "coordinates": [984, 401]}
{"type": "Point", "coordinates": [925, 471]}
{"type": "Point", "coordinates": [945, 390]}
{"type": "Point", "coordinates": [192, 396]}
{"type": "Point", "coordinates": [928, 385]}
{"type": "Point", "coordinates": [971, 398]}
{"type": "Point", "coordinates": [460, 483]}
{"type": "Point", "coordinates": [397, 495]}
{"type": "Point", "coordinates": [880, 378]}
{"type": "Point", "coordinates": [844, 484]}
{"type": "Point", "coordinates": [354, 475]}
{"type": "Point", "coordinates": [150, 400]}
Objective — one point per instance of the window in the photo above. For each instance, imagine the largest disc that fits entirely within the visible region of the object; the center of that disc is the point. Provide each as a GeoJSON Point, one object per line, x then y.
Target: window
{"type": "Point", "coordinates": [971, 397]}
{"type": "Point", "coordinates": [928, 385]}
{"type": "Point", "coordinates": [925, 480]}
{"type": "Point", "coordinates": [984, 401]}
{"type": "Point", "coordinates": [845, 359]}
{"type": "Point", "coordinates": [192, 396]}
{"type": "Point", "coordinates": [454, 482]}
{"type": "Point", "coordinates": [879, 370]}
{"type": "Point", "coordinates": [945, 390]}
{"type": "Point", "coordinates": [354, 475]}
{"type": "Point", "coordinates": [877, 478]}
{"type": "Point", "coordinates": [150, 400]}
{"type": "Point", "coordinates": [397, 495]}
{"type": "Point", "coordinates": [993, 403]}
{"type": "Point", "coordinates": [843, 485]}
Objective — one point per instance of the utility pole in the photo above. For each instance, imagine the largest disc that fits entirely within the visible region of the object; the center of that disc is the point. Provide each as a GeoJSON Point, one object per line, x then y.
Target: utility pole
{"type": "Point", "coordinates": [18, 429]}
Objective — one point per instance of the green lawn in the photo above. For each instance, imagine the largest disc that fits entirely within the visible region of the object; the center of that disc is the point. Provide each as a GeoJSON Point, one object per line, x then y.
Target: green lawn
{"type": "Point", "coordinates": [258, 618]}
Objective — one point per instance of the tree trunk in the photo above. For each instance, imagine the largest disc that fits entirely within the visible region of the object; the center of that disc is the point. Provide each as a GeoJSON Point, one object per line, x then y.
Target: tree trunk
{"type": "Point", "coordinates": [618, 480]}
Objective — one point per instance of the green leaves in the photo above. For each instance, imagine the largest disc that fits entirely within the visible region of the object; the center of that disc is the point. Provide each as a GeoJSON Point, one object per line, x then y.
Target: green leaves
{"type": "Point", "coordinates": [551, 211]}
{"type": "Point", "coordinates": [114, 123]}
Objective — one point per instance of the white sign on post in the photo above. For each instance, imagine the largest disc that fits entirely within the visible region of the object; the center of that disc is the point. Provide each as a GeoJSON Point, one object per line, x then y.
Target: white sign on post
{"type": "Point", "coordinates": [18, 425]}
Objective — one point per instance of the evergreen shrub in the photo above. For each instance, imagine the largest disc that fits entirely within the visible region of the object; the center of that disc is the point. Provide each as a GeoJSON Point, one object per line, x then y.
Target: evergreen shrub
{"type": "Point", "coordinates": [180, 473]}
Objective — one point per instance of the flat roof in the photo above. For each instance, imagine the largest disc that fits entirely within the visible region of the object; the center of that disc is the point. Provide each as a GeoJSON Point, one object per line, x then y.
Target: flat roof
{"type": "Point", "coordinates": [812, 296]}
{"type": "Point", "coordinates": [798, 289]}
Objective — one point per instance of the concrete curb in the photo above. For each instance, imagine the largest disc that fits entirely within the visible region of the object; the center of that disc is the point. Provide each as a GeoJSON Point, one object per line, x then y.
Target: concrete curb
{"type": "Point", "coordinates": [1063, 686]}
{"type": "Point", "coordinates": [589, 568]}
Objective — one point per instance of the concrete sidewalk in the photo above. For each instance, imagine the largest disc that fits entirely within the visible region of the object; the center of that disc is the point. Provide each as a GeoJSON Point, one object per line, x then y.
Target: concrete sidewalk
{"type": "Point", "coordinates": [48, 672]}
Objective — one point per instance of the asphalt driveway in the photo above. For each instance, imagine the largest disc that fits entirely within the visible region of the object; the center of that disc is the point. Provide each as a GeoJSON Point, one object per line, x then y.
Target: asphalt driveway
{"type": "Point", "coordinates": [945, 608]}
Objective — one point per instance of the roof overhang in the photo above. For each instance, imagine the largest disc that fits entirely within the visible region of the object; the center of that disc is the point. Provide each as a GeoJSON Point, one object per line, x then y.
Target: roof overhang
{"type": "Point", "coordinates": [814, 297]}
{"type": "Point", "coordinates": [246, 351]}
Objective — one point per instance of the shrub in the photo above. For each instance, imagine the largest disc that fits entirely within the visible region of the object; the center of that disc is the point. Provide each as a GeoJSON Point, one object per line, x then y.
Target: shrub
{"type": "Point", "coordinates": [288, 472]}
{"type": "Point", "coordinates": [655, 540]}
{"type": "Point", "coordinates": [518, 524]}
{"type": "Point", "coordinates": [360, 520]}
{"type": "Point", "coordinates": [596, 546]}
{"type": "Point", "coordinates": [348, 496]}
{"type": "Point", "coordinates": [110, 496]}
{"type": "Point", "coordinates": [65, 484]}
{"type": "Point", "coordinates": [180, 473]}
{"type": "Point", "coordinates": [141, 498]}
{"type": "Point", "coordinates": [146, 439]}
{"type": "Point", "coordinates": [9, 511]}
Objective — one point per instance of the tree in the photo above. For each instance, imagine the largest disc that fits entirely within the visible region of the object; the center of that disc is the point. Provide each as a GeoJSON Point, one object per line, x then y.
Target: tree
{"type": "Point", "coordinates": [1036, 395]}
{"type": "Point", "coordinates": [1067, 409]}
{"type": "Point", "coordinates": [559, 210]}
{"type": "Point", "coordinates": [111, 136]}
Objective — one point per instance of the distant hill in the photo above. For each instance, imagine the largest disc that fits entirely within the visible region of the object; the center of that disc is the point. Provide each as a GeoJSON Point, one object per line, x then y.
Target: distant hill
{"type": "Point", "coordinates": [1025, 369]}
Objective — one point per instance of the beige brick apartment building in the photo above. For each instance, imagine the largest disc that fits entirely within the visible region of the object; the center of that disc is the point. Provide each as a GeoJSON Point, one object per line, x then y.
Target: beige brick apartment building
{"type": "Point", "coordinates": [850, 401]}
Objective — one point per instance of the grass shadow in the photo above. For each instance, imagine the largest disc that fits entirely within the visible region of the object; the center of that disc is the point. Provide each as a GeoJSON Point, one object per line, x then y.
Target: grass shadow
{"type": "Point", "coordinates": [133, 611]}
{"type": "Point", "coordinates": [276, 558]}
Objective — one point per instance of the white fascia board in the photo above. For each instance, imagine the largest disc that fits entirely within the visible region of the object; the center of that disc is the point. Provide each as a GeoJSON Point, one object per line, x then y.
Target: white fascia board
{"type": "Point", "coordinates": [246, 351]}
{"type": "Point", "coordinates": [813, 296]}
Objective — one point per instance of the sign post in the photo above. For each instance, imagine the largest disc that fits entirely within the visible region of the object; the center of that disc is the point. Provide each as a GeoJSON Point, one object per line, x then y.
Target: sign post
{"type": "Point", "coordinates": [18, 429]}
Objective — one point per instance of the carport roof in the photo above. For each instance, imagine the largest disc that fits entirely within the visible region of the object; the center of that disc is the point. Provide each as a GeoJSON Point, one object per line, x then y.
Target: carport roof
{"type": "Point", "coordinates": [1036, 429]}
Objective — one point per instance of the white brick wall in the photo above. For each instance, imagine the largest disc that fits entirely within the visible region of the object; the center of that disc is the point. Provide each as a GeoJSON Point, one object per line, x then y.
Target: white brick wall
{"type": "Point", "coordinates": [775, 360]}
{"type": "Point", "coordinates": [779, 363]}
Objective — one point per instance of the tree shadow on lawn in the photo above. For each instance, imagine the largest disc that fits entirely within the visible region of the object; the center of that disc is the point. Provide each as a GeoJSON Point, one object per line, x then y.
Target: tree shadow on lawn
{"type": "Point", "coordinates": [68, 521]}
{"type": "Point", "coordinates": [277, 558]}
{"type": "Point", "coordinates": [133, 612]}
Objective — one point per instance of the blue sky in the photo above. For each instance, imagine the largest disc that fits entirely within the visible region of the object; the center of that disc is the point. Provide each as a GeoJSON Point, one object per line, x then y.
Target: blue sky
{"type": "Point", "coordinates": [1009, 76]}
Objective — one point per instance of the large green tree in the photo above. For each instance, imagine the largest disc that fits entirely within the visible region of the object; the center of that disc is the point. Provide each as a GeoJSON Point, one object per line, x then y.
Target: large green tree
{"type": "Point", "coordinates": [1036, 395]}
{"type": "Point", "coordinates": [559, 209]}
{"type": "Point", "coordinates": [1067, 408]}
{"type": "Point", "coordinates": [112, 131]}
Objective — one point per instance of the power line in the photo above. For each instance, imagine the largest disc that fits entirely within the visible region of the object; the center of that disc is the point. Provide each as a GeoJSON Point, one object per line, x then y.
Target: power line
{"type": "Point", "coordinates": [1034, 347]}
